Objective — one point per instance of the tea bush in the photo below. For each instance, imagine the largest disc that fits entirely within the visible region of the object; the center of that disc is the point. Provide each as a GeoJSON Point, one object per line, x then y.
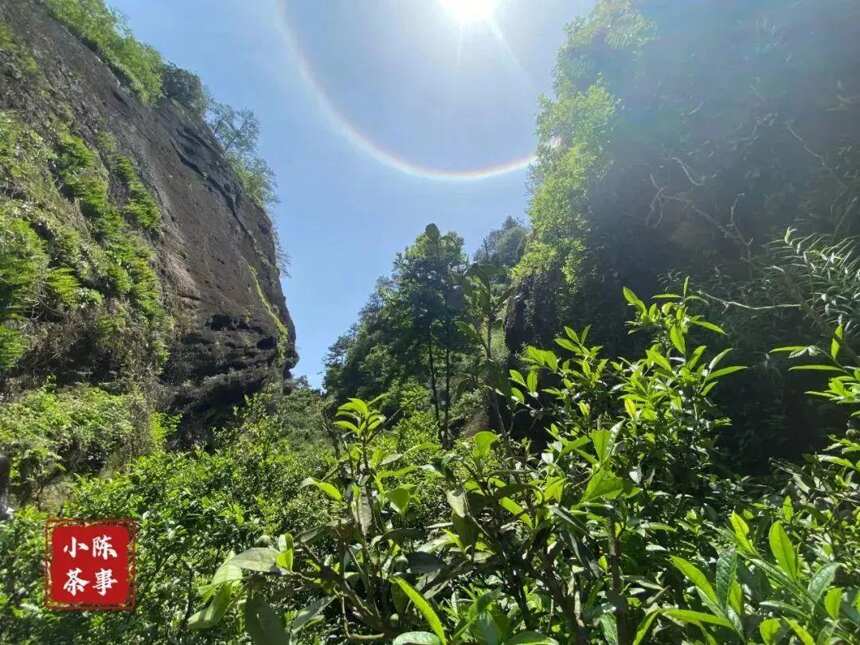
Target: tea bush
{"type": "Point", "coordinates": [628, 525]}
{"type": "Point", "coordinates": [191, 508]}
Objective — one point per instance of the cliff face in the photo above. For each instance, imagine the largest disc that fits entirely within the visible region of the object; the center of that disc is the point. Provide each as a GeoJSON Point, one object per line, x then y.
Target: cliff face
{"type": "Point", "coordinates": [228, 330]}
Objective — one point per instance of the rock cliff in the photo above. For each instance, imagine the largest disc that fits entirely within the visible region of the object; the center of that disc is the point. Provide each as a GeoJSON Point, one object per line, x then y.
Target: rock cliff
{"type": "Point", "coordinates": [226, 330]}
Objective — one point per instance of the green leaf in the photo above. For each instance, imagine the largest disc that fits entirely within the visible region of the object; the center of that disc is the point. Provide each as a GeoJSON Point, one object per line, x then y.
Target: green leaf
{"type": "Point", "coordinates": [361, 511]}
{"type": "Point", "coordinates": [530, 638]}
{"type": "Point", "coordinates": [800, 630]}
{"type": "Point", "coordinates": [227, 572]}
{"type": "Point", "coordinates": [457, 502]}
{"type": "Point", "coordinates": [787, 509]}
{"type": "Point", "coordinates": [483, 441]}
{"type": "Point", "coordinates": [325, 487]}
{"type": "Point", "coordinates": [633, 299]}
{"type": "Point", "coordinates": [602, 484]}
{"type": "Point", "coordinates": [263, 624]}
{"type": "Point", "coordinates": [532, 381]}
{"type": "Point", "coordinates": [833, 602]}
{"type": "Point", "coordinates": [742, 531]}
{"type": "Point", "coordinates": [833, 459]}
{"type": "Point", "coordinates": [517, 378]}
{"type": "Point", "coordinates": [716, 360]}
{"type": "Point", "coordinates": [285, 559]}
{"type": "Point", "coordinates": [696, 617]}
{"type": "Point", "coordinates": [724, 372]}
{"type": "Point", "coordinates": [644, 626]}
{"type": "Point", "coordinates": [815, 368]}
{"type": "Point", "coordinates": [695, 575]}
{"type": "Point", "coordinates": [790, 348]}
{"type": "Point", "coordinates": [727, 567]}
{"type": "Point", "coordinates": [260, 559]}
{"type": "Point", "coordinates": [783, 551]}
{"type": "Point", "coordinates": [609, 624]}
{"type": "Point", "coordinates": [399, 498]}
{"type": "Point", "coordinates": [423, 606]}
{"type": "Point", "coordinates": [516, 510]}
{"type": "Point", "coordinates": [677, 338]}
{"type": "Point", "coordinates": [630, 408]}
{"type": "Point", "coordinates": [602, 441]}
{"type": "Point", "coordinates": [309, 613]}
{"type": "Point", "coordinates": [821, 581]}
{"type": "Point", "coordinates": [212, 614]}
{"type": "Point", "coordinates": [709, 326]}
{"type": "Point", "coordinates": [417, 638]}
{"type": "Point", "coordinates": [769, 630]}
{"type": "Point", "coordinates": [657, 357]}
{"type": "Point", "coordinates": [836, 342]}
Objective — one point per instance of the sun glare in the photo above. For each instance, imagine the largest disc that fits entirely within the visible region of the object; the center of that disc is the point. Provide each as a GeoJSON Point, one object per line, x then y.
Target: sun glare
{"type": "Point", "coordinates": [470, 11]}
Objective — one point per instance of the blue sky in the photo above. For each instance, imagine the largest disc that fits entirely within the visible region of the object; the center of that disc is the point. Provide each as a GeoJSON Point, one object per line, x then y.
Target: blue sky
{"type": "Point", "coordinates": [378, 117]}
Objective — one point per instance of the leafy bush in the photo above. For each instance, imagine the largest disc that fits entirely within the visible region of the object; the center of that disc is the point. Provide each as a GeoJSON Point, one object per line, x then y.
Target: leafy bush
{"type": "Point", "coordinates": [23, 263]}
{"type": "Point", "coordinates": [48, 432]}
{"type": "Point", "coordinates": [238, 131]}
{"type": "Point", "coordinates": [70, 279]}
{"type": "Point", "coordinates": [141, 205]}
{"type": "Point", "coordinates": [615, 527]}
{"type": "Point", "coordinates": [191, 509]}
{"type": "Point", "coordinates": [21, 58]}
{"type": "Point", "coordinates": [106, 33]}
{"type": "Point", "coordinates": [126, 268]}
{"type": "Point", "coordinates": [184, 87]}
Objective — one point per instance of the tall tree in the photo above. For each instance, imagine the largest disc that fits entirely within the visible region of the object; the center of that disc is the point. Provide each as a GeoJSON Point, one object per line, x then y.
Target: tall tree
{"type": "Point", "coordinates": [430, 276]}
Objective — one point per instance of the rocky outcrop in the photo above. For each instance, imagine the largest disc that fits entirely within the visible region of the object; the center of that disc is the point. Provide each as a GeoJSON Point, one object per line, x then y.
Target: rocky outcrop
{"type": "Point", "coordinates": [215, 252]}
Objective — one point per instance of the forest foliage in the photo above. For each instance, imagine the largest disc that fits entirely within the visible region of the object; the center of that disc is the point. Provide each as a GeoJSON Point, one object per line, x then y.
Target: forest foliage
{"type": "Point", "coordinates": [632, 420]}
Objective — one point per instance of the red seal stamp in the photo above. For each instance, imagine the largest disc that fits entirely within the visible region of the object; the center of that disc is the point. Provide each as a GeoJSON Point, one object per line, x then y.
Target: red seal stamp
{"type": "Point", "coordinates": [89, 564]}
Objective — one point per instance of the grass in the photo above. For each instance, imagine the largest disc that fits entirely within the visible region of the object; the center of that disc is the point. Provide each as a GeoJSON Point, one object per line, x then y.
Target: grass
{"type": "Point", "coordinates": [23, 58]}
{"type": "Point", "coordinates": [70, 248]}
{"type": "Point", "coordinates": [141, 205]}
{"type": "Point", "coordinates": [47, 432]}
{"type": "Point", "coordinates": [283, 332]}
{"type": "Point", "coordinates": [105, 32]}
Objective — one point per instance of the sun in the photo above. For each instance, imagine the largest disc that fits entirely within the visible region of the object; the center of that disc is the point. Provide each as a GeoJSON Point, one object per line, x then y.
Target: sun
{"type": "Point", "coordinates": [470, 11]}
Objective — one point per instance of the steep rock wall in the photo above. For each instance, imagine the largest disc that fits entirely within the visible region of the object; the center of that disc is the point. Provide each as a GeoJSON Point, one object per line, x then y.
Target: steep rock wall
{"type": "Point", "coordinates": [214, 252]}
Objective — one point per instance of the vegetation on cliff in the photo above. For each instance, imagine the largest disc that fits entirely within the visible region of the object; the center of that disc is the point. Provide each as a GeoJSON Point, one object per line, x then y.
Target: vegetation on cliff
{"type": "Point", "coordinates": [144, 70]}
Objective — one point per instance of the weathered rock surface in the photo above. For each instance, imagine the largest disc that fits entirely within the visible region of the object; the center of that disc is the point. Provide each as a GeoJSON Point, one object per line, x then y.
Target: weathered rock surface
{"type": "Point", "coordinates": [215, 252]}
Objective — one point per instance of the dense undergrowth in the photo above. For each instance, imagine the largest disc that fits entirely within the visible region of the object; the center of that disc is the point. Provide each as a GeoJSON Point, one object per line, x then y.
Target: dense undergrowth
{"type": "Point", "coordinates": [483, 467]}
{"type": "Point", "coordinates": [625, 524]}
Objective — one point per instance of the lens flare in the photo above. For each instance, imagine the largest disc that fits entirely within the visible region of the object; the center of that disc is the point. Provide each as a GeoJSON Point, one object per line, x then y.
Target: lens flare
{"type": "Point", "coordinates": [341, 125]}
{"type": "Point", "coordinates": [470, 11]}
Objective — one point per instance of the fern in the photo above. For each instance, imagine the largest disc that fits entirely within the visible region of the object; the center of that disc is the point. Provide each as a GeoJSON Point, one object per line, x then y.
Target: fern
{"type": "Point", "coordinates": [141, 205]}
{"type": "Point", "coordinates": [823, 274]}
{"type": "Point", "coordinates": [64, 286]}
{"type": "Point", "coordinates": [13, 345]}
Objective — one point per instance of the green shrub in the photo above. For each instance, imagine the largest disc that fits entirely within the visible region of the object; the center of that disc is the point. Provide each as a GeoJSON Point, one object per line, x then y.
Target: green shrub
{"type": "Point", "coordinates": [23, 264]}
{"type": "Point", "coordinates": [141, 205]}
{"type": "Point", "coordinates": [184, 87]}
{"type": "Point", "coordinates": [47, 432]}
{"type": "Point", "coordinates": [626, 525]}
{"type": "Point", "coordinates": [20, 56]}
{"type": "Point", "coordinates": [125, 269]}
{"type": "Point", "coordinates": [191, 509]}
{"type": "Point", "coordinates": [105, 32]}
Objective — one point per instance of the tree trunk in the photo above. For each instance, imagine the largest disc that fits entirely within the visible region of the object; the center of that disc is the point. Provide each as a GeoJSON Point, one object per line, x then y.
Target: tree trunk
{"type": "Point", "coordinates": [432, 369]}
